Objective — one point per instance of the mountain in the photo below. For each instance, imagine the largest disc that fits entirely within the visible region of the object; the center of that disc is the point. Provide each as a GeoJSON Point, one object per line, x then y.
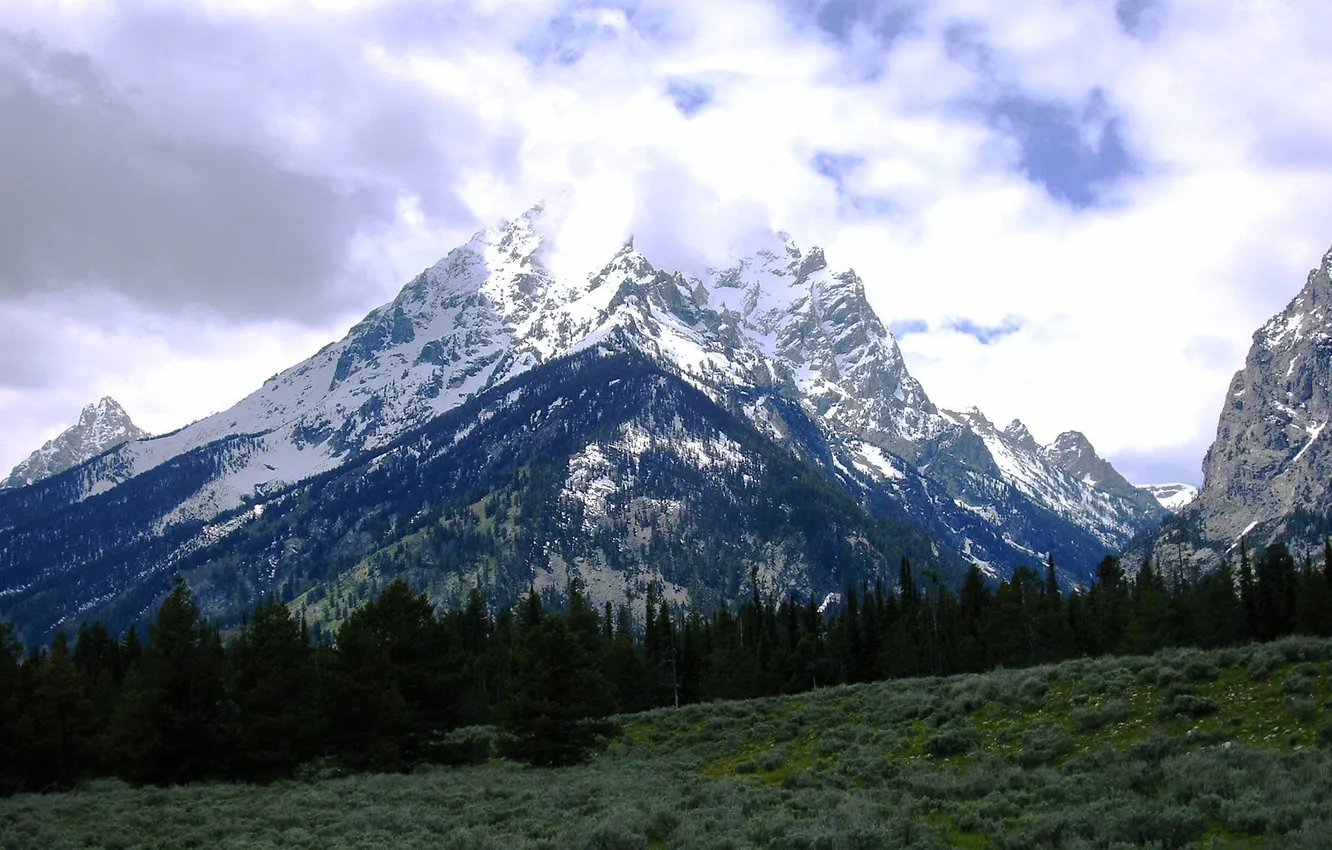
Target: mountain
{"type": "Point", "coordinates": [1172, 496]}
{"type": "Point", "coordinates": [1267, 473]}
{"type": "Point", "coordinates": [101, 426]}
{"type": "Point", "coordinates": [765, 389]}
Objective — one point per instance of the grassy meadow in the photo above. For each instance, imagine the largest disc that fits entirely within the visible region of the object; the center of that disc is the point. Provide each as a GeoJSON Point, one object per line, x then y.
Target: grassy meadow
{"type": "Point", "coordinates": [1227, 748]}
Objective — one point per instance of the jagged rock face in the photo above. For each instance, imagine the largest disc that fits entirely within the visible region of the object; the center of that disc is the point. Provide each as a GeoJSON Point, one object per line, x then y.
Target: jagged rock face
{"type": "Point", "coordinates": [985, 469]}
{"type": "Point", "coordinates": [1268, 471]}
{"type": "Point", "coordinates": [1073, 453]}
{"type": "Point", "coordinates": [101, 426]}
{"type": "Point", "coordinates": [1266, 474]}
{"type": "Point", "coordinates": [774, 337]}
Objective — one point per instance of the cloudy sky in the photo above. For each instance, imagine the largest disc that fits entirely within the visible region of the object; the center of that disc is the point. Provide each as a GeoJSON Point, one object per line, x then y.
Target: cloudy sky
{"type": "Point", "coordinates": [1075, 212]}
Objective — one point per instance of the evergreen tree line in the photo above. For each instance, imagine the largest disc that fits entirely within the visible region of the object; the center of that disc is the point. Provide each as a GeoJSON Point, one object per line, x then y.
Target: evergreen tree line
{"type": "Point", "coordinates": [402, 684]}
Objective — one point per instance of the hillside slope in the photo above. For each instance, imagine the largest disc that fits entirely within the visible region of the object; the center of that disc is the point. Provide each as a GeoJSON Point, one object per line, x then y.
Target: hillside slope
{"type": "Point", "coordinates": [1100, 753]}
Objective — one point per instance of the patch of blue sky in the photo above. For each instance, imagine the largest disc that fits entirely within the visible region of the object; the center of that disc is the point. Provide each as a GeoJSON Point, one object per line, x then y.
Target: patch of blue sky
{"type": "Point", "coordinates": [690, 97]}
{"type": "Point", "coordinates": [578, 27]}
{"type": "Point", "coordinates": [986, 334]}
{"type": "Point", "coordinates": [907, 327]}
{"type": "Point", "coordinates": [841, 169]}
{"type": "Point", "coordinates": [1075, 152]}
{"type": "Point", "coordinates": [1141, 18]}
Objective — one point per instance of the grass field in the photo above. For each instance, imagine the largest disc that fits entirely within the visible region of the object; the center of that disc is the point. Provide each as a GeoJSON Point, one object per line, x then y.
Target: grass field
{"type": "Point", "coordinates": [1231, 748]}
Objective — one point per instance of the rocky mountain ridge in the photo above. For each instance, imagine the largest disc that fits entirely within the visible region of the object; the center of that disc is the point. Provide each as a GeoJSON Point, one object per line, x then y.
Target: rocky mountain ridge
{"type": "Point", "coordinates": [102, 425]}
{"type": "Point", "coordinates": [775, 337]}
{"type": "Point", "coordinates": [1267, 474]}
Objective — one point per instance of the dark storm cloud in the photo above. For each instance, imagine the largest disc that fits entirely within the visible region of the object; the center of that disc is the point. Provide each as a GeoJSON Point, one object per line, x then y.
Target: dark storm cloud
{"type": "Point", "coordinates": [95, 198]}
{"type": "Point", "coordinates": [229, 165]}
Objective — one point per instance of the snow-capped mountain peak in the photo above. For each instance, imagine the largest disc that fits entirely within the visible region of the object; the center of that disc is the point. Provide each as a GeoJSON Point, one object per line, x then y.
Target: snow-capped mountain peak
{"type": "Point", "coordinates": [1017, 432]}
{"type": "Point", "coordinates": [1072, 452]}
{"type": "Point", "coordinates": [778, 336]}
{"type": "Point", "coordinates": [101, 426]}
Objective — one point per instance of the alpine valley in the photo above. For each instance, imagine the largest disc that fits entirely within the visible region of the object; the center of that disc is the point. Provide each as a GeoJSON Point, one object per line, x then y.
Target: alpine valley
{"type": "Point", "coordinates": [498, 426]}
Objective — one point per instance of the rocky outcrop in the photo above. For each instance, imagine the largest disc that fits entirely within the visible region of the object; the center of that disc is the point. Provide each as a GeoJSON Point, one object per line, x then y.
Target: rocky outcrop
{"type": "Point", "coordinates": [101, 426]}
{"type": "Point", "coordinates": [1268, 474]}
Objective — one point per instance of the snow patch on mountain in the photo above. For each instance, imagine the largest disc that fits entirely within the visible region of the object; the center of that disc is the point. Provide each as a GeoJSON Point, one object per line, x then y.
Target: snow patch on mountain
{"type": "Point", "coordinates": [1172, 496]}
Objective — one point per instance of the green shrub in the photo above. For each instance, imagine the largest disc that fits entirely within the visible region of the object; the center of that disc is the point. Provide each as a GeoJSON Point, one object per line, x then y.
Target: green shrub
{"type": "Point", "coordinates": [1187, 705]}
{"type": "Point", "coordinates": [1303, 708]}
{"type": "Point", "coordinates": [953, 739]}
{"type": "Point", "coordinates": [1035, 684]}
{"type": "Point", "coordinates": [830, 742]}
{"type": "Point", "coordinates": [617, 834]}
{"type": "Point", "coordinates": [1303, 648]}
{"type": "Point", "coordinates": [1263, 660]}
{"type": "Point", "coordinates": [1096, 716]}
{"type": "Point", "coordinates": [1200, 669]}
{"type": "Point", "coordinates": [1325, 733]}
{"type": "Point", "coordinates": [1303, 680]}
{"type": "Point", "coordinates": [1155, 748]}
{"type": "Point", "coordinates": [1043, 743]}
{"type": "Point", "coordinates": [469, 745]}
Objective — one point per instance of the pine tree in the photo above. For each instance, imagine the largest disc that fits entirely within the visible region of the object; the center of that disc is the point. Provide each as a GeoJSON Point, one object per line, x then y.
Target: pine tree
{"type": "Point", "coordinates": [531, 609]}
{"type": "Point", "coordinates": [1313, 601]}
{"type": "Point", "coordinates": [973, 603]}
{"type": "Point", "coordinates": [907, 584]}
{"type": "Point", "coordinates": [1010, 631]}
{"type": "Point", "coordinates": [64, 744]}
{"type": "Point", "coordinates": [15, 704]}
{"type": "Point", "coordinates": [1327, 560]}
{"type": "Point", "coordinates": [1149, 615]}
{"type": "Point", "coordinates": [1054, 638]}
{"type": "Point", "coordinates": [1221, 618]}
{"type": "Point", "coordinates": [1275, 591]}
{"type": "Point", "coordinates": [1248, 593]}
{"type": "Point", "coordinates": [274, 688]}
{"type": "Point", "coordinates": [169, 721]}
{"type": "Point", "coordinates": [394, 686]}
{"type": "Point", "coordinates": [558, 690]}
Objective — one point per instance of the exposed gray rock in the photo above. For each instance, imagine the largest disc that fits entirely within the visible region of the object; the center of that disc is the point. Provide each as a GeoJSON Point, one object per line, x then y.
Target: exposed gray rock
{"type": "Point", "coordinates": [101, 426]}
{"type": "Point", "coordinates": [1073, 453]}
{"type": "Point", "coordinates": [1267, 473]}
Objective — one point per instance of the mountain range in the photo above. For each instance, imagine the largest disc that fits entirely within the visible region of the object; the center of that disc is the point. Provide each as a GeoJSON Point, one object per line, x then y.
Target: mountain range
{"type": "Point", "coordinates": [498, 425]}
